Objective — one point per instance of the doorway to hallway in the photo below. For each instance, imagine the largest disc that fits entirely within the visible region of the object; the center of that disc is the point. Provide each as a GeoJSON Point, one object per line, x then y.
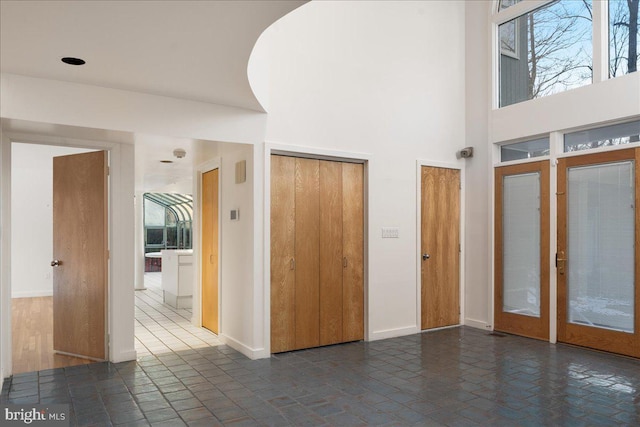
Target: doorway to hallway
{"type": "Point", "coordinates": [160, 328]}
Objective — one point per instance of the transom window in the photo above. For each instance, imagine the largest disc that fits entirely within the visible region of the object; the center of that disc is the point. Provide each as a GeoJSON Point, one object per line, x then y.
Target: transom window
{"type": "Point", "coordinates": [620, 134]}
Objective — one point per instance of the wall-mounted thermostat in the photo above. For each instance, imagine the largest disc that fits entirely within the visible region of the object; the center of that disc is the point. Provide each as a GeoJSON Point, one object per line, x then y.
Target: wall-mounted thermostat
{"type": "Point", "coordinates": [235, 214]}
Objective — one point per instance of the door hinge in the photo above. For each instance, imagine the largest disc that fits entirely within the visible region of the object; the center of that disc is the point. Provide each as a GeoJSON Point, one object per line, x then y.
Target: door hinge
{"type": "Point", "coordinates": [108, 254]}
{"type": "Point", "coordinates": [108, 170]}
{"type": "Point", "coordinates": [459, 247]}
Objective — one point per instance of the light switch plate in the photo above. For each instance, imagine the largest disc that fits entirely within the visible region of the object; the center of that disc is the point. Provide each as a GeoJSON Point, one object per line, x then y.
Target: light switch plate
{"type": "Point", "coordinates": [390, 232]}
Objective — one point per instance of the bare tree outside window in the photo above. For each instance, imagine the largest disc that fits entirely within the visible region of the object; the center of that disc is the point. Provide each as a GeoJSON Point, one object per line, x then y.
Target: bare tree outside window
{"type": "Point", "coordinates": [558, 41]}
{"type": "Point", "coordinates": [560, 46]}
{"type": "Point", "coordinates": [623, 37]}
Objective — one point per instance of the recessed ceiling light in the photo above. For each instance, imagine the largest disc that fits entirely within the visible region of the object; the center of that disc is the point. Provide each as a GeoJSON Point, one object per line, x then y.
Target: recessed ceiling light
{"type": "Point", "coordinates": [166, 161]}
{"type": "Point", "coordinates": [73, 61]}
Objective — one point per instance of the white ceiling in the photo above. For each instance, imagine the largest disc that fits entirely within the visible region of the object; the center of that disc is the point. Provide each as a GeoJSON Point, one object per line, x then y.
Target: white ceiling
{"type": "Point", "coordinates": [197, 50]}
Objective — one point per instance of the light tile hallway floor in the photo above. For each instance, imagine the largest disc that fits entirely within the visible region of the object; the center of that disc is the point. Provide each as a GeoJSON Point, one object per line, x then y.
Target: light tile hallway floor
{"type": "Point", "coordinates": [163, 329]}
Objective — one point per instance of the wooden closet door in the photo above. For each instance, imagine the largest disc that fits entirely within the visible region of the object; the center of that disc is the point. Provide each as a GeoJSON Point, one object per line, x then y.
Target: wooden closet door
{"type": "Point", "coordinates": [353, 251]}
{"type": "Point", "coordinates": [210, 267]}
{"type": "Point", "coordinates": [307, 253]}
{"type": "Point", "coordinates": [331, 258]}
{"type": "Point", "coordinates": [283, 326]}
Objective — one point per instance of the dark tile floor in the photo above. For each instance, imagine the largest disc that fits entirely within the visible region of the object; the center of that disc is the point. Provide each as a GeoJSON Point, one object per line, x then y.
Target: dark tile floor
{"type": "Point", "coordinates": [453, 377]}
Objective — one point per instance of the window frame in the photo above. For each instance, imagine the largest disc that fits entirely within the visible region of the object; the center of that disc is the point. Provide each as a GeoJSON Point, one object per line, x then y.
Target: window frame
{"type": "Point", "coordinates": [600, 40]}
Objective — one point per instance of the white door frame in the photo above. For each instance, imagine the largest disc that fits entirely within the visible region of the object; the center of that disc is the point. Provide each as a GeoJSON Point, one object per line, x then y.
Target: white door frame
{"type": "Point", "coordinates": [120, 315]}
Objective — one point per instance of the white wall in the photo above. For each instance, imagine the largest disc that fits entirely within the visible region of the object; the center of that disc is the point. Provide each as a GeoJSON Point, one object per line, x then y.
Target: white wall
{"type": "Point", "coordinates": [477, 219]}
{"type": "Point", "coordinates": [385, 79]}
{"type": "Point", "coordinates": [237, 239]}
{"type": "Point", "coordinates": [236, 251]}
{"type": "Point", "coordinates": [31, 213]}
{"type": "Point", "coordinates": [5, 246]}
{"type": "Point", "coordinates": [63, 103]}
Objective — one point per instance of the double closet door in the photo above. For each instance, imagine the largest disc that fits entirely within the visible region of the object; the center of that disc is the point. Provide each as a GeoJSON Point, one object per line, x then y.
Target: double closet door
{"type": "Point", "coordinates": [317, 253]}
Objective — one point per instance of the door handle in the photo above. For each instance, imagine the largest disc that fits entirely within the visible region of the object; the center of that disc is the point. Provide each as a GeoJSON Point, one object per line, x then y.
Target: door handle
{"type": "Point", "coordinates": [425, 257]}
{"type": "Point", "coordinates": [560, 262]}
{"type": "Point", "coordinates": [55, 263]}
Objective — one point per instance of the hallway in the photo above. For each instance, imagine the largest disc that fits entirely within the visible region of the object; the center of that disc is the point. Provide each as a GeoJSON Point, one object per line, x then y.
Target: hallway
{"type": "Point", "coordinates": [161, 328]}
{"type": "Point", "coordinates": [459, 376]}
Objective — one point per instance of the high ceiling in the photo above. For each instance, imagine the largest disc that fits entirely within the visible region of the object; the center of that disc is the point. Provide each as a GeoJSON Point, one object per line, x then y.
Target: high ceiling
{"type": "Point", "coordinates": [195, 50]}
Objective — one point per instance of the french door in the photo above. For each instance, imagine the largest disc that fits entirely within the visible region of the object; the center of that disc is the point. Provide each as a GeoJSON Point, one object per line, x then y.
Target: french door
{"type": "Point", "coordinates": [521, 304]}
{"type": "Point", "coordinates": [597, 254]}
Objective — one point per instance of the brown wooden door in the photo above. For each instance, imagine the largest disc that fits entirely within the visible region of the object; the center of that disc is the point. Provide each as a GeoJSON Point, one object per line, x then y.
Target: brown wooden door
{"type": "Point", "coordinates": [283, 223]}
{"type": "Point", "coordinates": [331, 253]}
{"type": "Point", "coordinates": [210, 250]}
{"type": "Point", "coordinates": [317, 253]}
{"type": "Point", "coordinates": [80, 250]}
{"type": "Point", "coordinates": [521, 304]}
{"type": "Point", "coordinates": [440, 247]}
{"type": "Point", "coordinates": [341, 252]}
{"type": "Point", "coordinates": [598, 242]}
{"type": "Point", "coordinates": [353, 251]}
{"type": "Point", "coordinates": [307, 253]}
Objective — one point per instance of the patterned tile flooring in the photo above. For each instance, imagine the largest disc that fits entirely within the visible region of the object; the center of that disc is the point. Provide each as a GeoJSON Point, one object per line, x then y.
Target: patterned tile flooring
{"type": "Point", "coordinates": [161, 328]}
{"type": "Point", "coordinates": [453, 377]}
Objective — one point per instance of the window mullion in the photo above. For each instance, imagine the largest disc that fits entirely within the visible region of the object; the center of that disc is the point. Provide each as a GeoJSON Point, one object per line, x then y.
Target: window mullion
{"type": "Point", "coordinates": [600, 40]}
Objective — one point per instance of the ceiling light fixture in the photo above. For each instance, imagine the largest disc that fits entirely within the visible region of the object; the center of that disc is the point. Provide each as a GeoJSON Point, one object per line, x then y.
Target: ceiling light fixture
{"type": "Point", "coordinates": [179, 153]}
{"type": "Point", "coordinates": [73, 61]}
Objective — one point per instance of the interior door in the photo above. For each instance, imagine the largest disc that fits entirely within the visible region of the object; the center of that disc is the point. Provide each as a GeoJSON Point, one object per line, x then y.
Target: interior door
{"type": "Point", "coordinates": [521, 304]}
{"type": "Point", "coordinates": [597, 259]}
{"type": "Point", "coordinates": [210, 250]}
{"type": "Point", "coordinates": [80, 250]}
{"type": "Point", "coordinates": [440, 247]}
{"type": "Point", "coordinates": [353, 251]}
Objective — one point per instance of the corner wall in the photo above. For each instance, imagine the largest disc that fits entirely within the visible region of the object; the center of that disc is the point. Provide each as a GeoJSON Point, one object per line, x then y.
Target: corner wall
{"type": "Point", "coordinates": [478, 190]}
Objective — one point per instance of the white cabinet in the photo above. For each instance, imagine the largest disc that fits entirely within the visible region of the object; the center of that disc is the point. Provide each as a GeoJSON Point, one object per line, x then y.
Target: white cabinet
{"type": "Point", "coordinates": [177, 277]}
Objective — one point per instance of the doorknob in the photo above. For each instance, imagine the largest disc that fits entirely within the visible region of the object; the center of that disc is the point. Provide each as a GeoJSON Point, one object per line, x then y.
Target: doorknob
{"type": "Point", "coordinates": [55, 263]}
{"type": "Point", "coordinates": [425, 257]}
{"type": "Point", "coordinates": [560, 262]}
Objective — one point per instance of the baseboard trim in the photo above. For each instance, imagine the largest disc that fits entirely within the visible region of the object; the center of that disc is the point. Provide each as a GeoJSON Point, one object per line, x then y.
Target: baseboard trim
{"type": "Point", "coordinates": [392, 333]}
{"type": "Point", "coordinates": [31, 294]}
{"type": "Point", "coordinates": [124, 356]}
{"type": "Point", "coordinates": [478, 324]}
{"type": "Point", "coordinates": [251, 353]}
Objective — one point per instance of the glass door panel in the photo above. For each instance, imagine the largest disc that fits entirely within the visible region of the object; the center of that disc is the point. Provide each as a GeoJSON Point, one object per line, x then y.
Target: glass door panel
{"type": "Point", "coordinates": [521, 244]}
{"type": "Point", "coordinates": [597, 253]}
{"type": "Point", "coordinates": [601, 243]}
{"type": "Point", "coordinates": [522, 250]}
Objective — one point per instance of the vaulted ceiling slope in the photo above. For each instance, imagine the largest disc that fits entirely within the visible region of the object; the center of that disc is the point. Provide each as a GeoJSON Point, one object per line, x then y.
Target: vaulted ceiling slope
{"type": "Point", "coordinates": [197, 50]}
